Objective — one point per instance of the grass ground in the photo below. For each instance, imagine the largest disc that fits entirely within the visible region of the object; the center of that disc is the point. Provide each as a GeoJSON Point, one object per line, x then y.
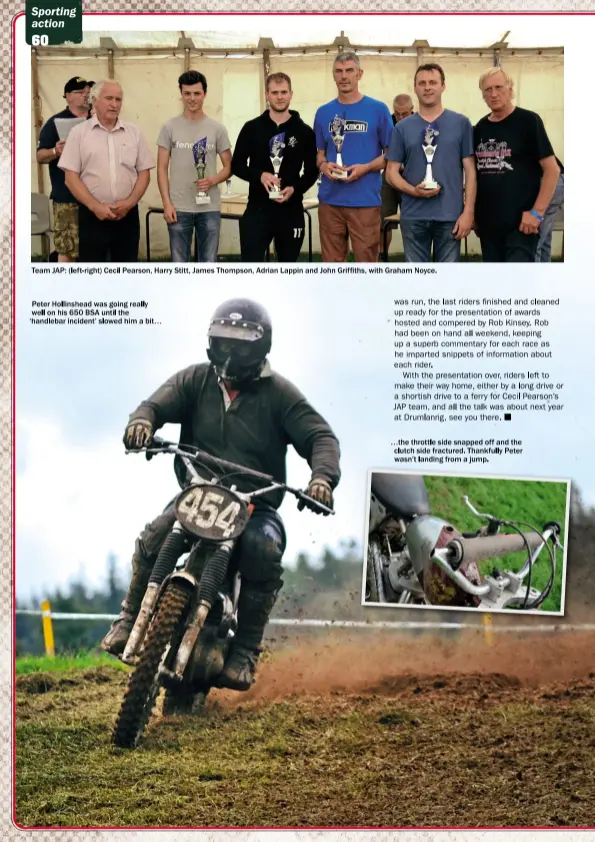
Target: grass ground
{"type": "Point", "coordinates": [384, 733]}
{"type": "Point", "coordinates": [29, 664]}
{"type": "Point", "coordinates": [535, 503]}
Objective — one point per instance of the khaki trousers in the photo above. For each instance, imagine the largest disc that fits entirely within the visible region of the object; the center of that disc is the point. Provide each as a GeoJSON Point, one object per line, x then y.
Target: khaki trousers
{"type": "Point", "coordinates": [339, 225]}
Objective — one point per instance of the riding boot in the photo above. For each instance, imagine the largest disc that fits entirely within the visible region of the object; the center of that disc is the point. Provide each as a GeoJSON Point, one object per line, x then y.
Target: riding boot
{"type": "Point", "coordinates": [115, 640]}
{"type": "Point", "coordinates": [254, 608]}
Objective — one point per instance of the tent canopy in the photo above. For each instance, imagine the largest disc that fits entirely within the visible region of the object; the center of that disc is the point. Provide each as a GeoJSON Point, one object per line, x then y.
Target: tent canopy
{"type": "Point", "coordinates": [449, 31]}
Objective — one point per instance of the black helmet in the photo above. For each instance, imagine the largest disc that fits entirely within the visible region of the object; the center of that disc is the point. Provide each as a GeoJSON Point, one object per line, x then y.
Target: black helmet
{"type": "Point", "coordinates": [240, 336]}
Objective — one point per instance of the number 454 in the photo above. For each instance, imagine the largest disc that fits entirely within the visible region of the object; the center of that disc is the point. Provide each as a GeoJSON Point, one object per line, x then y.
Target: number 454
{"type": "Point", "coordinates": [204, 509]}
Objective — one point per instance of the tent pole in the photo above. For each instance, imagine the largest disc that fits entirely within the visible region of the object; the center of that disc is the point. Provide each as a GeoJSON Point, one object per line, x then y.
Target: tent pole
{"type": "Point", "coordinates": [37, 112]}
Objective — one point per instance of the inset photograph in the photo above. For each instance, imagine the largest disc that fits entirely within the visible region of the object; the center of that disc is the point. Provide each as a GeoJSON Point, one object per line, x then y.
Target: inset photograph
{"type": "Point", "coordinates": [466, 542]}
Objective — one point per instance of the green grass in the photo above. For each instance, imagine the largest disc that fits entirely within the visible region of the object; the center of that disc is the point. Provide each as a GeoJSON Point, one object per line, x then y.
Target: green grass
{"type": "Point", "coordinates": [28, 664]}
{"type": "Point", "coordinates": [457, 751]}
{"type": "Point", "coordinates": [535, 503]}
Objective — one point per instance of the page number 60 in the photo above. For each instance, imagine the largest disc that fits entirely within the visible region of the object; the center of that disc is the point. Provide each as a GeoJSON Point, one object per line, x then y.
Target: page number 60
{"type": "Point", "coordinates": [39, 40]}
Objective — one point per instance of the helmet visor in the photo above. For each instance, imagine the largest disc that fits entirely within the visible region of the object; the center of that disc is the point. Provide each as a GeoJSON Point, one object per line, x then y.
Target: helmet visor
{"type": "Point", "coordinates": [222, 349]}
{"type": "Point", "coordinates": [242, 331]}
{"type": "Point", "coordinates": [235, 359]}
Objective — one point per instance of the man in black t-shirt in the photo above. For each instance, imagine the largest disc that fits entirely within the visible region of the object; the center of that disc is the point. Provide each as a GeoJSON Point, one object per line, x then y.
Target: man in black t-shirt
{"type": "Point", "coordinates": [49, 149]}
{"type": "Point", "coordinates": [516, 174]}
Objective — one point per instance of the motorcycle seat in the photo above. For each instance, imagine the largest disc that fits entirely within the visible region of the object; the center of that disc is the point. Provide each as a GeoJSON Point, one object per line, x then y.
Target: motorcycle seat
{"type": "Point", "coordinates": [403, 495]}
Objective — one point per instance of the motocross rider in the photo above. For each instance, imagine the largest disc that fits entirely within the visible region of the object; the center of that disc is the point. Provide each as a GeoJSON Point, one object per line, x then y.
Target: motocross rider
{"type": "Point", "coordinates": [236, 408]}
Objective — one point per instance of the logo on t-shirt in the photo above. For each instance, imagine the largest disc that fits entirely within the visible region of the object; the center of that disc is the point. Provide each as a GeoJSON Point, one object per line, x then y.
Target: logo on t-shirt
{"type": "Point", "coordinates": [492, 156]}
{"type": "Point", "coordinates": [292, 141]}
{"type": "Point", "coordinates": [352, 126]}
{"type": "Point", "coordinates": [182, 144]}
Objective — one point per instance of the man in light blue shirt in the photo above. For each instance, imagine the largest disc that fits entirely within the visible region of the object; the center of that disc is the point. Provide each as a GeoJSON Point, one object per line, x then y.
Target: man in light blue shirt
{"type": "Point", "coordinates": [438, 216]}
{"type": "Point", "coordinates": [358, 128]}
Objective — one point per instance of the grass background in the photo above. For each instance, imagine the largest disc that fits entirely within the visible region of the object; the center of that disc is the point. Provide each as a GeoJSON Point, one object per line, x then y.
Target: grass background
{"type": "Point", "coordinates": [534, 502]}
{"type": "Point", "coordinates": [30, 664]}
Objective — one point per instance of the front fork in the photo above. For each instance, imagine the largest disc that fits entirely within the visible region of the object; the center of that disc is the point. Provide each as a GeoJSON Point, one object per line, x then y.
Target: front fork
{"type": "Point", "coordinates": [173, 547]}
{"type": "Point", "coordinates": [139, 630]}
{"type": "Point", "coordinates": [208, 591]}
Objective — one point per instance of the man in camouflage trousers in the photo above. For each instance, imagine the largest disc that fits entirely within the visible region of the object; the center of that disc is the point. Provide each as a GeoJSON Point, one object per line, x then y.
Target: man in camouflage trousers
{"type": "Point", "coordinates": [49, 149]}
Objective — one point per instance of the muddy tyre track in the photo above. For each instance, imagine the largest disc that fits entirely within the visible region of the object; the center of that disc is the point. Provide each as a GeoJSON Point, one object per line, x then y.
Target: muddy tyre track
{"type": "Point", "coordinates": [427, 735]}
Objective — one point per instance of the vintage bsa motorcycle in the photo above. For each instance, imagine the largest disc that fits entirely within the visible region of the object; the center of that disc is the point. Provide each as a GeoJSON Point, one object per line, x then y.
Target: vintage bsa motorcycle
{"type": "Point", "coordinates": [188, 614]}
{"type": "Point", "coordinates": [415, 558]}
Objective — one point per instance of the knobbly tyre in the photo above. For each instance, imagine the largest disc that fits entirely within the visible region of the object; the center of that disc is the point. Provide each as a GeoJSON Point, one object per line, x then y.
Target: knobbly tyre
{"type": "Point", "coordinates": [415, 558]}
{"type": "Point", "coordinates": [189, 612]}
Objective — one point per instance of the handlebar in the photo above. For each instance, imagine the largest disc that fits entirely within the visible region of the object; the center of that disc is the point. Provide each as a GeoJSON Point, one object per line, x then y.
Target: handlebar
{"type": "Point", "coordinates": [491, 546]}
{"type": "Point", "coordinates": [158, 445]}
{"type": "Point", "coordinates": [472, 550]}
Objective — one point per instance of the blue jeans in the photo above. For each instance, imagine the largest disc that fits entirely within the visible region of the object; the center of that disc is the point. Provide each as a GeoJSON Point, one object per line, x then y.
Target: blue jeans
{"type": "Point", "coordinates": [418, 236]}
{"type": "Point", "coordinates": [206, 225]}
{"type": "Point", "coordinates": [544, 244]}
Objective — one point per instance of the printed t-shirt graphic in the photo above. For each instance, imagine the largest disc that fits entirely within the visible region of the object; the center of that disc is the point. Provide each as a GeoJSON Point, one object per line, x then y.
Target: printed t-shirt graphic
{"type": "Point", "coordinates": [507, 155]}
{"type": "Point", "coordinates": [178, 136]}
{"type": "Point", "coordinates": [368, 128]}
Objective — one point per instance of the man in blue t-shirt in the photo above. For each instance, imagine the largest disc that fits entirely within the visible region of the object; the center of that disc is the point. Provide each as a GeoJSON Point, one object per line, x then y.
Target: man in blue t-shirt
{"type": "Point", "coordinates": [354, 129]}
{"type": "Point", "coordinates": [439, 214]}
{"type": "Point", "coordinates": [49, 149]}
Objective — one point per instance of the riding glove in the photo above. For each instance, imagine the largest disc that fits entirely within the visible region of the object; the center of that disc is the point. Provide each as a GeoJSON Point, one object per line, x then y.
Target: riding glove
{"type": "Point", "coordinates": [139, 433]}
{"type": "Point", "coordinates": [321, 491]}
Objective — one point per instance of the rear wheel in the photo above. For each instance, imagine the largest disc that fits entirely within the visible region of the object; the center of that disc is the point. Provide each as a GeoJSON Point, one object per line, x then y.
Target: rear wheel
{"type": "Point", "coordinates": [143, 686]}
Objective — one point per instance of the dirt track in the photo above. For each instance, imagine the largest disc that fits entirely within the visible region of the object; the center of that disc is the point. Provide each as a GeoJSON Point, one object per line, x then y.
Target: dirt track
{"type": "Point", "coordinates": [396, 732]}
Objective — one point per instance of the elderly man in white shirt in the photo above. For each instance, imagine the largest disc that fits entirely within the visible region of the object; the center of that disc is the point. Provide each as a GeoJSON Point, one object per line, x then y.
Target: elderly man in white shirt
{"type": "Point", "coordinates": [107, 164]}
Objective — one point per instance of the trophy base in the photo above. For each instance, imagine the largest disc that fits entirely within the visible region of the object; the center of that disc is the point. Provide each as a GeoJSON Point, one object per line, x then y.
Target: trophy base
{"type": "Point", "coordinates": [430, 185]}
{"type": "Point", "coordinates": [340, 175]}
{"type": "Point", "coordinates": [275, 194]}
{"type": "Point", "coordinates": [203, 200]}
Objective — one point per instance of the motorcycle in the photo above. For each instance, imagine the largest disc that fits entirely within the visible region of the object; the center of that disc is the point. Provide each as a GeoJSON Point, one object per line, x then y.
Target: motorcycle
{"type": "Point", "coordinates": [415, 558]}
{"type": "Point", "coordinates": [188, 615]}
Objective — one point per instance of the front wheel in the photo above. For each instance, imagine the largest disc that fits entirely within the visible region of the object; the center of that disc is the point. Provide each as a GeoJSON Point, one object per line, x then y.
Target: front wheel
{"type": "Point", "coordinates": [143, 686]}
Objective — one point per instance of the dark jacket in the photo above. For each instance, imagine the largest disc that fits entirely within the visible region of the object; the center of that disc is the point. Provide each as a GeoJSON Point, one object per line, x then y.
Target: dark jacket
{"type": "Point", "coordinates": [48, 138]}
{"type": "Point", "coordinates": [251, 157]}
{"type": "Point", "coordinates": [262, 420]}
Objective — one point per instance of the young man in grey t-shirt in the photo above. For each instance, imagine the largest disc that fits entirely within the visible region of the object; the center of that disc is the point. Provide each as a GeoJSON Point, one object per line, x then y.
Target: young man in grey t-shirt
{"type": "Point", "coordinates": [187, 175]}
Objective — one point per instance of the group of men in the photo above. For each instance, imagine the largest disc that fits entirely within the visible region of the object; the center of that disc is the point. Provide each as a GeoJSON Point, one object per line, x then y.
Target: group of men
{"type": "Point", "coordinates": [500, 178]}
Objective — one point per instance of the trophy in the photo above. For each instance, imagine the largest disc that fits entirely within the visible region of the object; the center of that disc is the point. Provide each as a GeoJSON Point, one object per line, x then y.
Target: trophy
{"type": "Point", "coordinates": [429, 151]}
{"type": "Point", "coordinates": [199, 150]}
{"type": "Point", "coordinates": [276, 147]}
{"type": "Point", "coordinates": [338, 135]}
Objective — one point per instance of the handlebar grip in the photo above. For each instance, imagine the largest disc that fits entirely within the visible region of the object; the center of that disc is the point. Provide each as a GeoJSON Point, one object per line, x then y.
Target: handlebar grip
{"type": "Point", "coordinates": [471, 550]}
{"type": "Point", "coordinates": [304, 501]}
{"type": "Point", "coordinates": [158, 442]}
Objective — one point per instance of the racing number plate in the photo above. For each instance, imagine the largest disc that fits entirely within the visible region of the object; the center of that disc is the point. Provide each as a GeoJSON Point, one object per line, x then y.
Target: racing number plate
{"type": "Point", "coordinates": [212, 512]}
